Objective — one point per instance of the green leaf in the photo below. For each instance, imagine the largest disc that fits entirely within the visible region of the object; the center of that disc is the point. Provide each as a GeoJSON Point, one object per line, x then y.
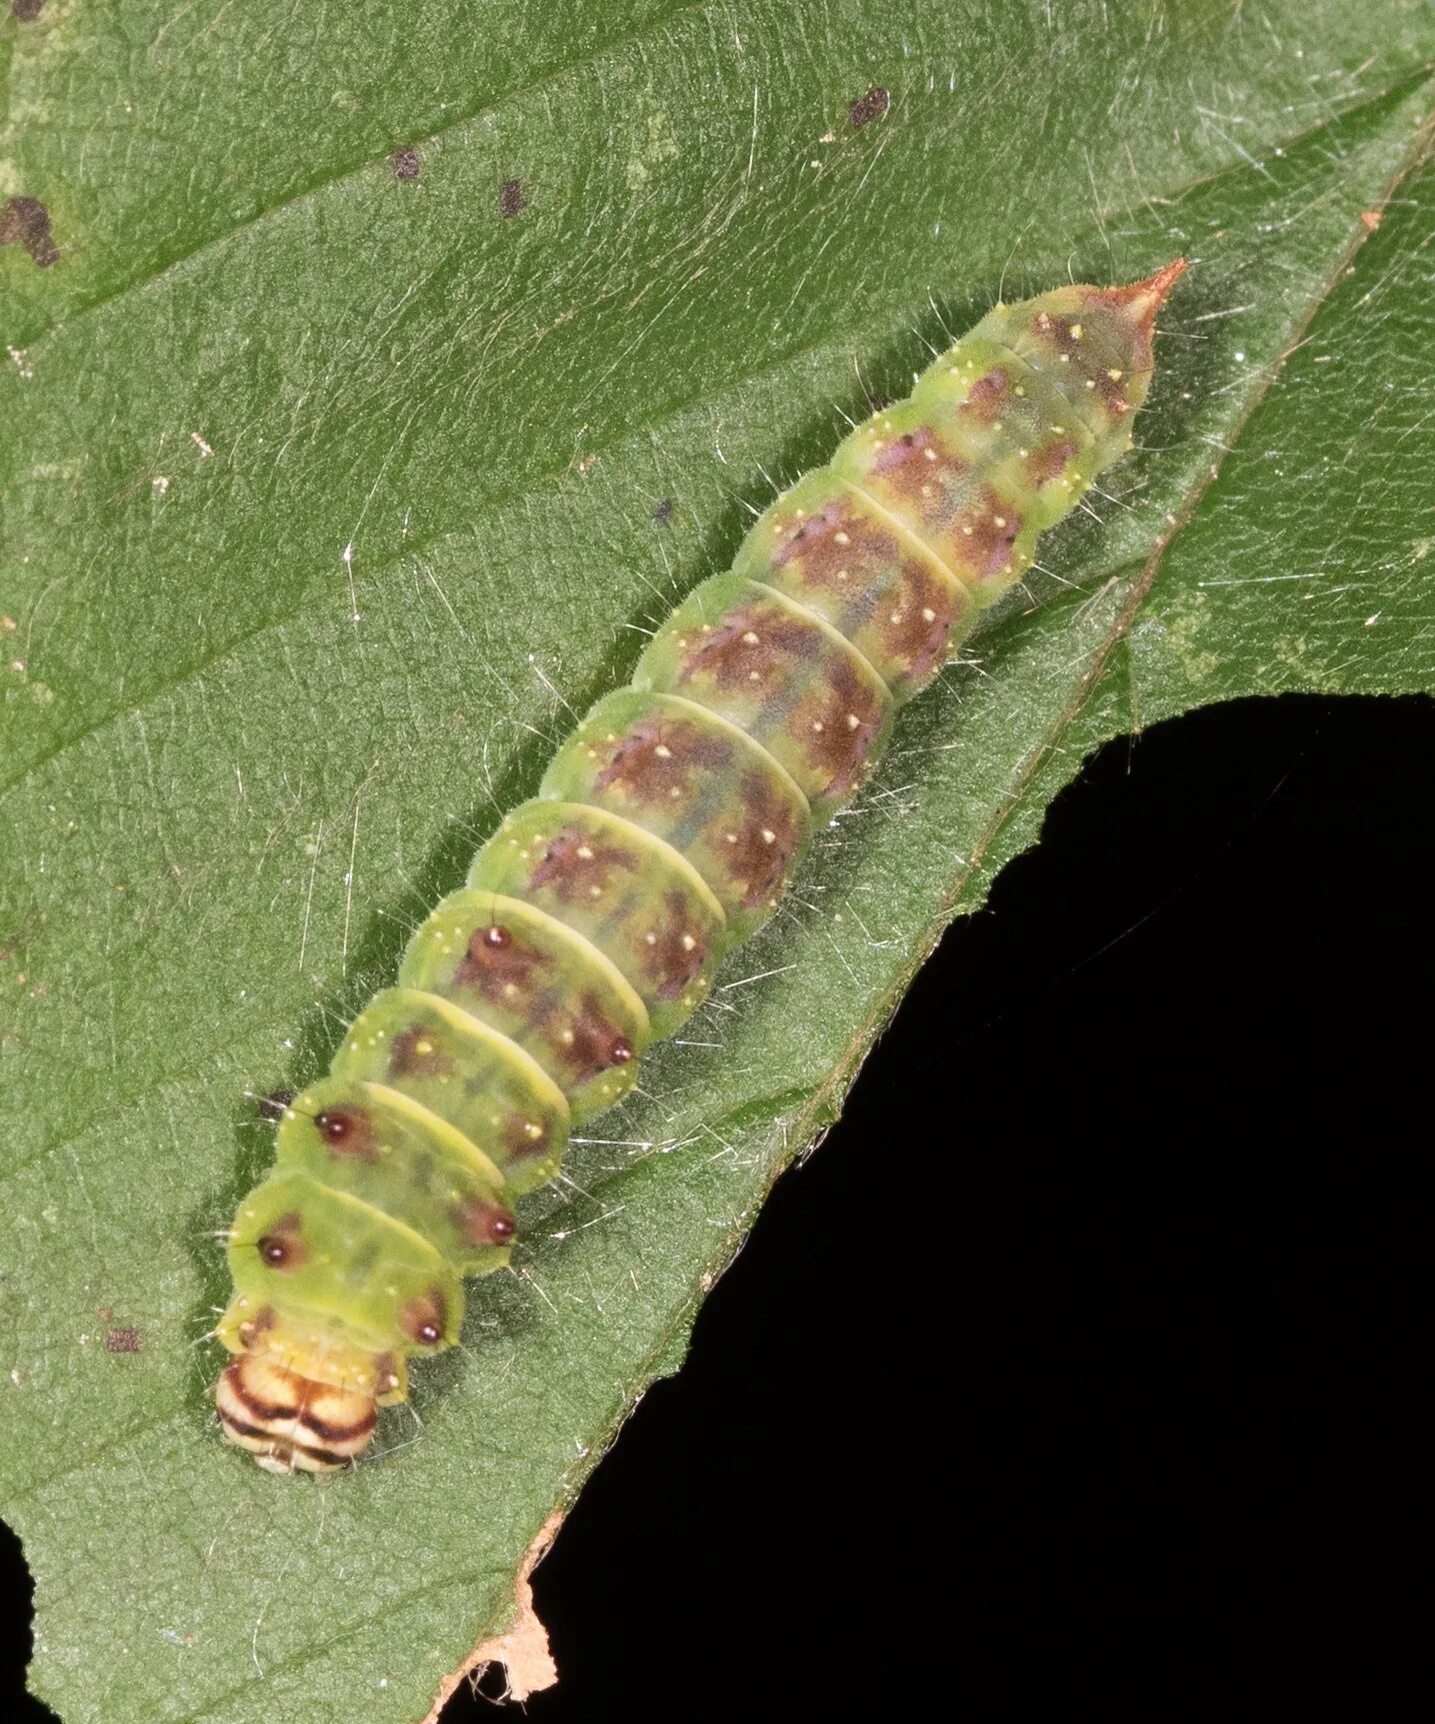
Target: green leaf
{"type": "Point", "coordinates": [332, 489]}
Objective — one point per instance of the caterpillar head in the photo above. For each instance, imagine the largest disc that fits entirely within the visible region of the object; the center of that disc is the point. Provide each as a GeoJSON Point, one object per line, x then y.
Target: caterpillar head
{"type": "Point", "coordinates": [300, 1398]}
{"type": "Point", "coordinates": [289, 1422]}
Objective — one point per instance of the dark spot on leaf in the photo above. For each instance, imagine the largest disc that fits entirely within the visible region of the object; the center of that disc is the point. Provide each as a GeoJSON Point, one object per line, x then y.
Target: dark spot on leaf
{"type": "Point", "coordinates": [26, 221]}
{"type": "Point", "coordinates": [511, 201]}
{"type": "Point", "coordinates": [122, 1340]}
{"type": "Point", "coordinates": [27, 10]}
{"type": "Point", "coordinates": [663, 513]}
{"type": "Point", "coordinates": [406, 163]}
{"type": "Point", "coordinates": [872, 106]}
{"type": "Point", "coordinates": [272, 1106]}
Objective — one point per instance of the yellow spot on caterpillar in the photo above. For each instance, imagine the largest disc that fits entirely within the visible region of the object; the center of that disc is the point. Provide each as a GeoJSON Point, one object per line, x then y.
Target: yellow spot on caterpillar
{"type": "Point", "coordinates": [754, 676]}
{"type": "Point", "coordinates": [853, 722]}
{"type": "Point", "coordinates": [688, 942]}
{"type": "Point", "coordinates": [1114, 373]}
{"type": "Point", "coordinates": [928, 614]}
{"type": "Point", "coordinates": [930, 454]}
{"type": "Point", "coordinates": [663, 752]}
{"type": "Point", "coordinates": [650, 939]}
{"type": "Point", "coordinates": [1076, 332]}
{"type": "Point", "coordinates": [585, 852]}
{"type": "Point", "coordinates": [818, 725]}
{"type": "Point", "coordinates": [750, 638]}
{"type": "Point", "coordinates": [768, 835]}
{"type": "Point", "coordinates": [842, 538]}
{"type": "Point", "coordinates": [1000, 520]}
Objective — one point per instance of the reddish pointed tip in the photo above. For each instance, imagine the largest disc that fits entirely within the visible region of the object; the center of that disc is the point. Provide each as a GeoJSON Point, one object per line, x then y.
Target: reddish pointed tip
{"type": "Point", "coordinates": [1145, 298]}
{"type": "Point", "coordinates": [1163, 281]}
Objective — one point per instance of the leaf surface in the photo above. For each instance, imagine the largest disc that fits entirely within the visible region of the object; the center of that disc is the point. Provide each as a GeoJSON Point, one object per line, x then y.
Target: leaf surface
{"type": "Point", "coordinates": [398, 368]}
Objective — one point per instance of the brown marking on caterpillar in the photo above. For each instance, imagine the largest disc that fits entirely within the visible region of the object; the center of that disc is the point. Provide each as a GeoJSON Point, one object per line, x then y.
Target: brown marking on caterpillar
{"type": "Point", "coordinates": [916, 632]}
{"type": "Point", "coordinates": [836, 723]}
{"type": "Point", "coordinates": [764, 844]}
{"type": "Point", "coordinates": [26, 221]}
{"type": "Point", "coordinates": [483, 1222]}
{"type": "Point", "coordinates": [512, 200]}
{"type": "Point", "coordinates": [496, 961]}
{"type": "Point", "coordinates": [406, 162]}
{"type": "Point", "coordinates": [523, 1138]}
{"type": "Point", "coordinates": [663, 513]}
{"type": "Point", "coordinates": [26, 10]}
{"type": "Point", "coordinates": [281, 1248]}
{"type": "Point", "coordinates": [425, 1317]}
{"type": "Point", "coordinates": [259, 1406]}
{"type": "Point", "coordinates": [872, 106]}
{"type": "Point", "coordinates": [826, 562]}
{"type": "Point", "coordinates": [1049, 462]}
{"type": "Point", "coordinates": [576, 866]}
{"type": "Point", "coordinates": [253, 1329]}
{"type": "Point", "coordinates": [285, 1449]}
{"type": "Point", "coordinates": [982, 535]}
{"type": "Point", "coordinates": [655, 760]}
{"type": "Point", "coordinates": [123, 1340]}
{"type": "Point", "coordinates": [987, 399]}
{"type": "Point", "coordinates": [589, 1043]}
{"type": "Point", "coordinates": [674, 952]}
{"type": "Point", "coordinates": [414, 1053]}
{"type": "Point", "coordinates": [1063, 335]}
{"type": "Point", "coordinates": [921, 471]}
{"type": "Point", "coordinates": [747, 645]}
{"type": "Point", "coordinates": [337, 1431]}
{"type": "Point", "coordinates": [347, 1131]}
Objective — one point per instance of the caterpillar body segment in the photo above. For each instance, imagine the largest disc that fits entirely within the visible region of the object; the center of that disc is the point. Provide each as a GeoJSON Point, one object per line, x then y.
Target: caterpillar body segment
{"type": "Point", "coordinates": [664, 832]}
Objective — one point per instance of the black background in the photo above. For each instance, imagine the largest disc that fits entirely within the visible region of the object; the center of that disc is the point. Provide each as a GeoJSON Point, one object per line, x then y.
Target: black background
{"type": "Point", "coordinates": [1076, 1368]}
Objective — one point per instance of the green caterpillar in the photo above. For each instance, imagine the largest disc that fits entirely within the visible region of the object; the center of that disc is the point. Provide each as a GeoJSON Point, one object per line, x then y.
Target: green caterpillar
{"type": "Point", "coordinates": [664, 833]}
